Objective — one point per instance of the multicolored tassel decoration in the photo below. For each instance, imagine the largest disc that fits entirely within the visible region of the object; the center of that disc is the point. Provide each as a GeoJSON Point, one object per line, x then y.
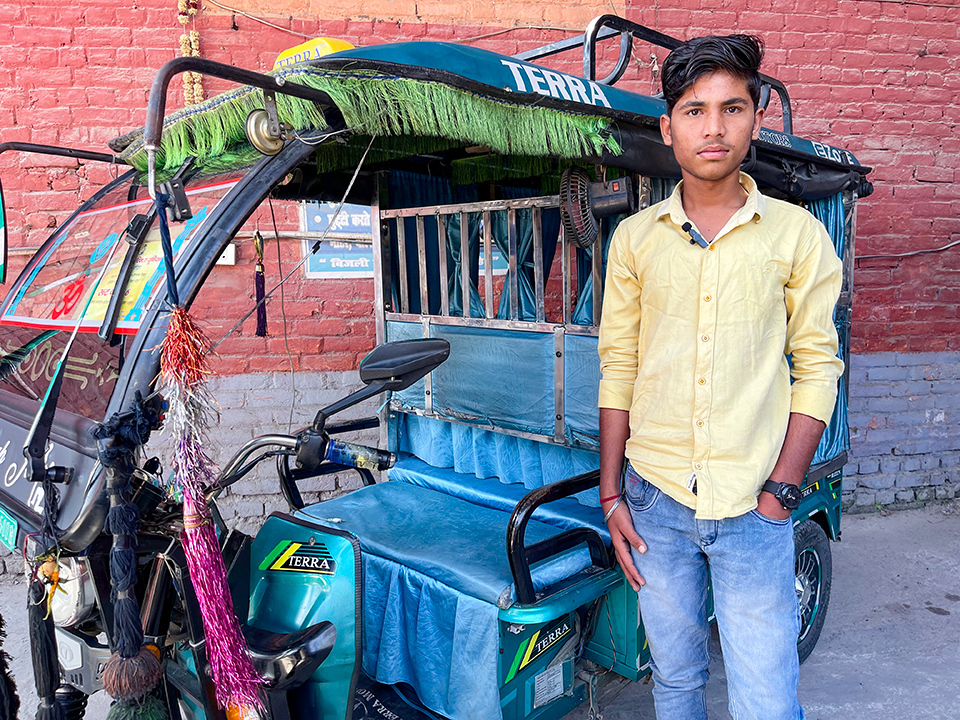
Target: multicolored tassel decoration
{"type": "Point", "coordinates": [183, 370]}
{"type": "Point", "coordinates": [259, 284]}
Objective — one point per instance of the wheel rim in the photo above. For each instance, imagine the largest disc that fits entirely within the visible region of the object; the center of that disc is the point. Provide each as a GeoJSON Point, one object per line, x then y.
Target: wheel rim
{"type": "Point", "coordinates": [809, 573]}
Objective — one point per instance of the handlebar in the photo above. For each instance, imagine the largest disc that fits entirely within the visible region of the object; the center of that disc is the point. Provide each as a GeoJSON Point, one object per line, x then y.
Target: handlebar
{"type": "Point", "coordinates": [265, 441]}
{"type": "Point", "coordinates": [312, 449]}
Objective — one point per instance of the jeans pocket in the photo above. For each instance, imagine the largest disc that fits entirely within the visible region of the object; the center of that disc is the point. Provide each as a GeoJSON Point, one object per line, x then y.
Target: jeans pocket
{"type": "Point", "coordinates": [640, 493]}
{"type": "Point", "coordinates": [770, 521]}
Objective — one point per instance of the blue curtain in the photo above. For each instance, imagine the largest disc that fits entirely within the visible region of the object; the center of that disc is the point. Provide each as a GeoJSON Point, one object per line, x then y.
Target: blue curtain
{"type": "Point", "coordinates": [455, 264]}
{"type": "Point", "coordinates": [829, 211]}
{"type": "Point", "coordinates": [836, 438]}
{"type": "Point", "coordinates": [583, 312]}
{"type": "Point", "coordinates": [550, 231]}
{"type": "Point", "coordinates": [408, 189]}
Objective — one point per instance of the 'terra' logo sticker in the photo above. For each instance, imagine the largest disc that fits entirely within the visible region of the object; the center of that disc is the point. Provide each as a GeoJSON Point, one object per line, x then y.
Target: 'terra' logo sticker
{"type": "Point", "coordinates": [297, 557]}
{"type": "Point", "coordinates": [537, 645]}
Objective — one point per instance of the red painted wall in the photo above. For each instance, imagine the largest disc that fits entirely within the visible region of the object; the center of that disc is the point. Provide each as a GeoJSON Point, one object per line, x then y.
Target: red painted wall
{"type": "Point", "coordinates": [879, 78]}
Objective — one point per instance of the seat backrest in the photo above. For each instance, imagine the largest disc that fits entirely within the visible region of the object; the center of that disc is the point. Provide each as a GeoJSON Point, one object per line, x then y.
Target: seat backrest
{"type": "Point", "coordinates": [517, 398]}
{"type": "Point", "coordinates": [520, 405]}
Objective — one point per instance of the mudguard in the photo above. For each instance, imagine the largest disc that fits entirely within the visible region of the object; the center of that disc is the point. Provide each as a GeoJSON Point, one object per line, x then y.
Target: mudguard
{"type": "Point", "coordinates": [302, 574]}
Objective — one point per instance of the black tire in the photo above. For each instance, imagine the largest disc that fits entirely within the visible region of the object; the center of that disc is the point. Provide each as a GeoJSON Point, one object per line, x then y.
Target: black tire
{"type": "Point", "coordinates": [814, 576]}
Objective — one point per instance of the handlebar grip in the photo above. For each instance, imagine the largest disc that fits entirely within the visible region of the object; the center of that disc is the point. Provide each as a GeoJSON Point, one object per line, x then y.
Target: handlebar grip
{"type": "Point", "coordinates": [359, 456]}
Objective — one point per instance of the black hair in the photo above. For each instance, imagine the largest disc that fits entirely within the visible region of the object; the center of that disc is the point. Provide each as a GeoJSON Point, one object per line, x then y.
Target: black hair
{"type": "Point", "coordinates": [740, 55]}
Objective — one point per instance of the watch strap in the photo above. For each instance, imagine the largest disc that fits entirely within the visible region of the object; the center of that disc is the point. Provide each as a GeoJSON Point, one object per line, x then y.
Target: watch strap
{"type": "Point", "coordinates": [779, 490]}
{"type": "Point", "coordinates": [771, 487]}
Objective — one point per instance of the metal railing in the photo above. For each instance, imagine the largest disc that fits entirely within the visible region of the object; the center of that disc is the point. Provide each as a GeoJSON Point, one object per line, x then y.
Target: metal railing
{"type": "Point", "coordinates": [438, 214]}
{"type": "Point", "coordinates": [608, 26]}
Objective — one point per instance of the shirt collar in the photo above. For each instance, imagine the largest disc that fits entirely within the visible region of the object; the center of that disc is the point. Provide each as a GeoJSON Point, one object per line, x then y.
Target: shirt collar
{"type": "Point", "coordinates": [754, 207]}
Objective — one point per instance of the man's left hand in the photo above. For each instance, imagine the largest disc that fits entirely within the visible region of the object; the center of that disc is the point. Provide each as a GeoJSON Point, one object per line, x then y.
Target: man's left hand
{"type": "Point", "coordinates": [769, 506]}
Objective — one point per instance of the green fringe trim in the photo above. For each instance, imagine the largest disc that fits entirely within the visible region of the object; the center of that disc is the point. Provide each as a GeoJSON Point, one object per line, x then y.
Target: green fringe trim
{"type": "Point", "coordinates": [335, 156]}
{"type": "Point", "coordinates": [382, 105]}
{"type": "Point", "coordinates": [493, 168]}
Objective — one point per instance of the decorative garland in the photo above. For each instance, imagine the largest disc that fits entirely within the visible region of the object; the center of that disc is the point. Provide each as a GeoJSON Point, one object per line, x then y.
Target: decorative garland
{"type": "Point", "coordinates": [190, 47]}
{"type": "Point", "coordinates": [183, 371]}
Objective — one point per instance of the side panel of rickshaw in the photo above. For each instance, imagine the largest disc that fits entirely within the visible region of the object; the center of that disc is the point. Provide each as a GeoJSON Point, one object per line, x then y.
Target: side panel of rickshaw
{"type": "Point", "coordinates": [302, 574]}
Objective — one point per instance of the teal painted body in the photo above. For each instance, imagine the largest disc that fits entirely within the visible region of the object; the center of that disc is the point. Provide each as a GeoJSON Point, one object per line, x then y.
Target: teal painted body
{"type": "Point", "coordinates": [537, 669]}
{"type": "Point", "coordinates": [302, 574]}
{"type": "Point", "coordinates": [821, 502]}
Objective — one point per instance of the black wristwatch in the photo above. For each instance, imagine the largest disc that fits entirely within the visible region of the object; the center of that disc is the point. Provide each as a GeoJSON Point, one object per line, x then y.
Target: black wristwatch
{"type": "Point", "coordinates": [787, 494]}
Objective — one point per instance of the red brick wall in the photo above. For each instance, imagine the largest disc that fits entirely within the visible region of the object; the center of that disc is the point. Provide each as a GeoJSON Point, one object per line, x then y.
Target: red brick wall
{"type": "Point", "coordinates": [879, 78]}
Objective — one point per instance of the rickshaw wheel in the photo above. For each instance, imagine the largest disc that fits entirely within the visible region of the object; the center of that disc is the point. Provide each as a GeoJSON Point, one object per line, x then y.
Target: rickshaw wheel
{"type": "Point", "coordinates": [814, 574]}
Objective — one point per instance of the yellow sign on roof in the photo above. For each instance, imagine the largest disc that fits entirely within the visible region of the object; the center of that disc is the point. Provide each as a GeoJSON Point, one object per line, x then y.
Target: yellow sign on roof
{"type": "Point", "coordinates": [310, 50]}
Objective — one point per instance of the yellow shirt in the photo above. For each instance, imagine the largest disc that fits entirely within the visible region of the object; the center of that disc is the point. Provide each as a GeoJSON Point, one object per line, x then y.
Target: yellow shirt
{"type": "Point", "coordinates": [693, 342]}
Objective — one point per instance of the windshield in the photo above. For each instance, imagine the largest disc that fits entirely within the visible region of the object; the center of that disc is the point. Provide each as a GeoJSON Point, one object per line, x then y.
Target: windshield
{"type": "Point", "coordinates": [59, 287]}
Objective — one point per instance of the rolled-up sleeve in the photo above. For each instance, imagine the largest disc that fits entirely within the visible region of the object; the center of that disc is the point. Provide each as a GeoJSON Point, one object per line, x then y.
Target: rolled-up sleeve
{"type": "Point", "coordinates": [620, 326]}
{"type": "Point", "coordinates": [811, 296]}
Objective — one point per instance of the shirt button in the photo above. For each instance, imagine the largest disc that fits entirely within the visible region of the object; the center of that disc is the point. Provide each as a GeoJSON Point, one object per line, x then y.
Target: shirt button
{"type": "Point", "coordinates": [707, 298]}
{"type": "Point", "coordinates": [705, 338]}
{"type": "Point", "coordinates": [699, 466]}
{"type": "Point", "coordinates": [699, 423]}
{"type": "Point", "coordinates": [702, 381]}
{"type": "Point", "coordinates": [712, 248]}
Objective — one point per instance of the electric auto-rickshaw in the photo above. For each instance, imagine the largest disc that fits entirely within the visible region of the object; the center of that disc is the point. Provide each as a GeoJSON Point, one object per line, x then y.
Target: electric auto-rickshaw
{"type": "Point", "coordinates": [470, 576]}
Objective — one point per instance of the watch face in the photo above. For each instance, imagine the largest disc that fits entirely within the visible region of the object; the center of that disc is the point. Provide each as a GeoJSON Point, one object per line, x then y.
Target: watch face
{"type": "Point", "coordinates": [790, 497]}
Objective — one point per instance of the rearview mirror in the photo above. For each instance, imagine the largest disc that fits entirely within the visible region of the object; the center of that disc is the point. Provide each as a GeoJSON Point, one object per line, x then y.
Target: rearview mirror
{"type": "Point", "coordinates": [391, 366]}
{"type": "Point", "coordinates": [398, 365]}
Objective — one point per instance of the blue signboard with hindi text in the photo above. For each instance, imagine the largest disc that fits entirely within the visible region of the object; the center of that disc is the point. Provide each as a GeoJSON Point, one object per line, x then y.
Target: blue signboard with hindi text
{"type": "Point", "coordinates": [347, 250]}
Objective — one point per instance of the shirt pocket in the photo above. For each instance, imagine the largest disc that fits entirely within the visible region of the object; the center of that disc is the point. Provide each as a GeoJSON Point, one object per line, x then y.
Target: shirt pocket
{"type": "Point", "coordinates": [760, 283]}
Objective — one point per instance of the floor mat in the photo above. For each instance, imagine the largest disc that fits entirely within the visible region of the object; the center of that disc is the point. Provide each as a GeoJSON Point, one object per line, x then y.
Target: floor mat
{"type": "Point", "coordinates": [374, 701]}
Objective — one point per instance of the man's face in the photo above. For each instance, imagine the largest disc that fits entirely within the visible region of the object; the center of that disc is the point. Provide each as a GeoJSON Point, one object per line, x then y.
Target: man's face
{"type": "Point", "coordinates": [711, 126]}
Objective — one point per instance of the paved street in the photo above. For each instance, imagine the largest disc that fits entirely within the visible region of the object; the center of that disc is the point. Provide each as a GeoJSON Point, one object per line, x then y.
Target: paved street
{"type": "Point", "coordinates": [890, 648]}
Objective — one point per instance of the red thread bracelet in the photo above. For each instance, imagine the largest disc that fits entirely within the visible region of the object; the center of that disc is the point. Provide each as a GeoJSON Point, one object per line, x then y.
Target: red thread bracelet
{"type": "Point", "coordinates": [608, 499]}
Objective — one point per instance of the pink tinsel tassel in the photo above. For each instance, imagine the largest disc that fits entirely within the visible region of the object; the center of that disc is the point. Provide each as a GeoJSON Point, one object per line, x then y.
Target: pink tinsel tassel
{"type": "Point", "coordinates": [183, 369]}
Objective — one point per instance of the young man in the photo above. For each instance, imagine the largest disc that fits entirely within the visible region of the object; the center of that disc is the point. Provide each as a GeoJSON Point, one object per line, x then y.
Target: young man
{"type": "Point", "coordinates": [696, 394]}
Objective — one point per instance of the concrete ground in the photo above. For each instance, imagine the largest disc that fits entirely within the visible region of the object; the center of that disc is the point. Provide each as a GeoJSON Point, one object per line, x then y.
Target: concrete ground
{"type": "Point", "coordinates": [890, 648]}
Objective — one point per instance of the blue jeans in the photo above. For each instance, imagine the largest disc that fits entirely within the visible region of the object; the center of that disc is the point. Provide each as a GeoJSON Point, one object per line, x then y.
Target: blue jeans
{"type": "Point", "coordinates": [751, 567]}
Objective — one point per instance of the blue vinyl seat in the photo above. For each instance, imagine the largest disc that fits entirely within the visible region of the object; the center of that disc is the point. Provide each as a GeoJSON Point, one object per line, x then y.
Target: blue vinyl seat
{"type": "Point", "coordinates": [493, 493]}
{"type": "Point", "coordinates": [444, 537]}
{"type": "Point", "coordinates": [435, 576]}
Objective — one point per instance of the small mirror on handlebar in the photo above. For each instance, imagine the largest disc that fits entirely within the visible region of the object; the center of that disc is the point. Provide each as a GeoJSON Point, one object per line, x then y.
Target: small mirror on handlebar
{"type": "Point", "coordinates": [391, 366]}
{"type": "Point", "coordinates": [398, 365]}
